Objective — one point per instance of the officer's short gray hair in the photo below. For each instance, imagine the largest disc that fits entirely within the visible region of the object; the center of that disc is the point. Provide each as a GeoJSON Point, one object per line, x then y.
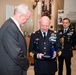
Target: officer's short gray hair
{"type": "Point", "coordinates": [22, 8]}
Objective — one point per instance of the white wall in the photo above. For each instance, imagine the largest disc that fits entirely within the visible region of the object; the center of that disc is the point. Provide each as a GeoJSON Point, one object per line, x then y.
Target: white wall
{"type": "Point", "coordinates": [70, 9]}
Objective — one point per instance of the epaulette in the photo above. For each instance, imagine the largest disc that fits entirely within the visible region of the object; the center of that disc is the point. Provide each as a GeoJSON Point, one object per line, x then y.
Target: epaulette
{"type": "Point", "coordinates": [33, 33]}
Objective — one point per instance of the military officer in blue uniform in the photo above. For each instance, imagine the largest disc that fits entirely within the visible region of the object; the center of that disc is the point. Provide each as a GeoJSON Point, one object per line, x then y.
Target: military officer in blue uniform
{"type": "Point", "coordinates": [40, 45]}
{"type": "Point", "coordinates": [67, 38]}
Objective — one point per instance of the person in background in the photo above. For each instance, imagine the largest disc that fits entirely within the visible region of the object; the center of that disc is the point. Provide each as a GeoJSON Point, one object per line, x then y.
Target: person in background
{"type": "Point", "coordinates": [40, 45]}
{"type": "Point", "coordinates": [67, 38]}
{"type": "Point", "coordinates": [13, 47]}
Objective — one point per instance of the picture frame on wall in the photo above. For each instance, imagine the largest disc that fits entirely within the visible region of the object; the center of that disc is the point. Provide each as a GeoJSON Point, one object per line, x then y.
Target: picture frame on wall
{"type": "Point", "coordinates": [60, 16]}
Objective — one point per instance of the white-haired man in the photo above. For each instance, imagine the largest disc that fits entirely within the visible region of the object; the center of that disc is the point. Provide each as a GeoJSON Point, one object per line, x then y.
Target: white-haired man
{"type": "Point", "coordinates": [13, 48]}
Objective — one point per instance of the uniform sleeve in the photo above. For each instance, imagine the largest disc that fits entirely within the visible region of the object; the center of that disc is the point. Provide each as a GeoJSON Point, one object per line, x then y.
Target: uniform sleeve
{"type": "Point", "coordinates": [74, 39]}
{"type": "Point", "coordinates": [58, 45]}
{"type": "Point", "coordinates": [13, 48]}
{"type": "Point", "coordinates": [32, 51]}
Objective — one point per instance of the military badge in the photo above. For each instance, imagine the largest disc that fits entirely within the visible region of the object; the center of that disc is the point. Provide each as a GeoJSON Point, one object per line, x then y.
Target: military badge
{"type": "Point", "coordinates": [60, 33]}
{"type": "Point", "coordinates": [71, 32]}
{"type": "Point", "coordinates": [52, 37]}
{"type": "Point", "coordinates": [62, 41]}
{"type": "Point", "coordinates": [37, 39]}
{"type": "Point", "coordinates": [72, 29]}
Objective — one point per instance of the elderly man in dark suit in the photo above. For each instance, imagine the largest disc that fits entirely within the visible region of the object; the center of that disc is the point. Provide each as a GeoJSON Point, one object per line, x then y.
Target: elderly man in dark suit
{"type": "Point", "coordinates": [67, 38]}
{"type": "Point", "coordinates": [13, 48]}
{"type": "Point", "coordinates": [40, 45]}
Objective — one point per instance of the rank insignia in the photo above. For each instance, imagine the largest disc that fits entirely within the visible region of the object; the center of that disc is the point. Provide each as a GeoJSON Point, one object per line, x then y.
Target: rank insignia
{"type": "Point", "coordinates": [37, 39]}
{"type": "Point", "coordinates": [53, 34]}
{"type": "Point", "coordinates": [71, 32]}
{"type": "Point", "coordinates": [60, 33]}
{"type": "Point", "coordinates": [33, 32]}
{"type": "Point", "coordinates": [72, 29]}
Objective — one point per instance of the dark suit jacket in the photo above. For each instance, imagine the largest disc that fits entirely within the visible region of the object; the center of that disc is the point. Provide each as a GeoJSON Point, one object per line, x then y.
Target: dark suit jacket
{"type": "Point", "coordinates": [69, 41]}
{"type": "Point", "coordinates": [39, 45]}
{"type": "Point", "coordinates": [13, 59]}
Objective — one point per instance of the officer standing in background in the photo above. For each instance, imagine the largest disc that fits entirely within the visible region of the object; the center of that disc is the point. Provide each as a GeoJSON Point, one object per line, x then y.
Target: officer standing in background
{"type": "Point", "coordinates": [67, 39]}
{"type": "Point", "coordinates": [40, 45]}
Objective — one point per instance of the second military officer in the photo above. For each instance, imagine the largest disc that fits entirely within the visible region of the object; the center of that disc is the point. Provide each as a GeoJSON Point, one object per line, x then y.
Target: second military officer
{"type": "Point", "coordinates": [68, 39]}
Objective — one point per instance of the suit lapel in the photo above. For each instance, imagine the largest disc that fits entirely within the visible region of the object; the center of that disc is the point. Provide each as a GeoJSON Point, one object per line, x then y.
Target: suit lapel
{"type": "Point", "coordinates": [16, 26]}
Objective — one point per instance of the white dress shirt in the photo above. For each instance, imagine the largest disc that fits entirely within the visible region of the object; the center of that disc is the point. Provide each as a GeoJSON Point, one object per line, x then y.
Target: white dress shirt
{"type": "Point", "coordinates": [43, 33]}
{"type": "Point", "coordinates": [65, 30]}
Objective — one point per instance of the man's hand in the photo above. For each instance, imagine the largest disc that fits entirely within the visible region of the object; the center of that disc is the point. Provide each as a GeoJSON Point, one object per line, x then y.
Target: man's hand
{"type": "Point", "coordinates": [54, 55]}
{"type": "Point", "coordinates": [39, 55]}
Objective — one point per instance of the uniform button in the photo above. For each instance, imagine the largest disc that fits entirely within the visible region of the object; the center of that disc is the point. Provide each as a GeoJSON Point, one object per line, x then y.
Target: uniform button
{"type": "Point", "coordinates": [44, 52]}
{"type": "Point", "coordinates": [44, 47]}
{"type": "Point", "coordinates": [44, 42]}
{"type": "Point", "coordinates": [72, 47]}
